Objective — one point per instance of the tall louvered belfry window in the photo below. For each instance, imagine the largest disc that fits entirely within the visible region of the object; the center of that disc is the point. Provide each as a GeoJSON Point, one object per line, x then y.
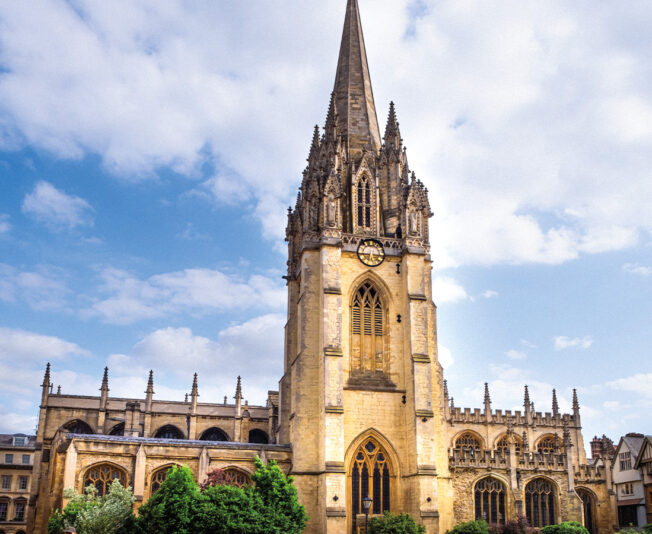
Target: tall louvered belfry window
{"type": "Point", "coordinates": [367, 330]}
{"type": "Point", "coordinates": [364, 203]}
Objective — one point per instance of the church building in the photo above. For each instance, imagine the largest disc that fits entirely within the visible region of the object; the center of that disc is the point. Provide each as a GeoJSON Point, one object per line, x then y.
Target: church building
{"type": "Point", "coordinates": [362, 409]}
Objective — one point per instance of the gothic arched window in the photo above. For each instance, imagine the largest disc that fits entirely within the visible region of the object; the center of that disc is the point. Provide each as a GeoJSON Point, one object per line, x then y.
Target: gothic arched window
{"type": "Point", "coordinates": [102, 476]}
{"type": "Point", "coordinates": [540, 497]}
{"type": "Point", "coordinates": [502, 445]}
{"type": "Point", "coordinates": [117, 430]}
{"type": "Point", "coordinates": [548, 444]}
{"type": "Point", "coordinates": [258, 436]}
{"type": "Point", "coordinates": [370, 477]}
{"type": "Point", "coordinates": [158, 478]}
{"type": "Point", "coordinates": [468, 443]}
{"type": "Point", "coordinates": [364, 203]}
{"type": "Point", "coordinates": [77, 426]}
{"type": "Point", "coordinates": [589, 508]}
{"type": "Point", "coordinates": [169, 432]}
{"type": "Point", "coordinates": [490, 500]}
{"type": "Point", "coordinates": [367, 331]}
{"type": "Point", "coordinates": [236, 477]}
{"type": "Point", "coordinates": [214, 434]}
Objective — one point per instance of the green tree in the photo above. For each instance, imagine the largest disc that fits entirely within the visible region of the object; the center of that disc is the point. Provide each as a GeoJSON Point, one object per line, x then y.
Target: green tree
{"type": "Point", "coordinates": [470, 527]}
{"type": "Point", "coordinates": [282, 513]}
{"type": "Point", "coordinates": [172, 509]}
{"type": "Point", "coordinates": [395, 524]}
{"type": "Point", "coordinates": [567, 527]}
{"type": "Point", "coordinates": [230, 510]}
{"type": "Point", "coordinates": [91, 514]}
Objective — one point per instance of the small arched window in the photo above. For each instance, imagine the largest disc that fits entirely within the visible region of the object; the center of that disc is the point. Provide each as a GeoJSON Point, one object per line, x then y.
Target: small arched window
{"type": "Point", "coordinates": [468, 443]}
{"type": "Point", "coordinates": [548, 444]}
{"type": "Point", "coordinates": [367, 331]}
{"type": "Point", "coordinates": [540, 497]}
{"type": "Point", "coordinates": [370, 477]}
{"type": "Point", "coordinates": [214, 434]}
{"type": "Point", "coordinates": [117, 430]}
{"type": "Point", "coordinates": [258, 436]}
{"type": "Point", "coordinates": [364, 203]}
{"type": "Point", "coordinates": [169, 432]}
{"type": "Point", "coordinates": [159, 477]}
{"type": "Point", "coordinates": [102, 476]}
{"type": "Point", "coordinates": [502, 445]}
{"type": "Point", "coordinates": [236, 477]}
{"type": "Point", "coordinates": [490, 500]}
{"type": "Point", "coordinates": [77, 426]}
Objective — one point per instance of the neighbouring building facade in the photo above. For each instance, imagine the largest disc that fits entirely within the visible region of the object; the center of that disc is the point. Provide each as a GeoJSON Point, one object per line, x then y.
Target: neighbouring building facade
{"type": "Point", "coordinates": [631, 481]}
{"type": "Point", "coordinates": [362, 408]}
{"type": "Point", "coordinates": [16, 462]}
{"type": "Point", "coordinates": [644, 465]}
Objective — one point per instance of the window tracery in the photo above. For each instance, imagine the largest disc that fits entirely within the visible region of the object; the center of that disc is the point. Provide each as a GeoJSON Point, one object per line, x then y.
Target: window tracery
{"type": "Point", "coordinates": [490, 500]}
{"type": "Point", "coordinates": [102, 476]}
{"type": "Point", "coordinates": [236, 477]}
{"type": "Point", "coordinates": [502, 445]}
{"type": "Point", "coordinates": [540, 496]}
{"type": "Point", "coordinates": [214, 434]}
{"type": "Point", "coordinates": [169, 432]}
{"type": "Point", "coordinates": [548, 444]}
{"type": "Point", "coordinates": [468, 443]}
{"type": "Point", "coordinates": [370, 477]}
{"type": "Point", "coordinates": [367, 331]}
{"type": "Point", "coordinates": [158, 478]}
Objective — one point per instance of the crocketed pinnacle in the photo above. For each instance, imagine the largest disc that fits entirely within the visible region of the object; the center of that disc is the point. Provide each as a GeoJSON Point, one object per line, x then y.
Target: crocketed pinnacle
{"type": "Point", "coordinates": [526, 399]}
{"type": "Point", "coordinates": [356, 119]}
{"type": "Point", "coordinates": [576, 404]}
{"type": "Point", "coordinates": [195, 391]}
{"type": "Point", "coordinates": [555, 404]}
{"type": "Point", "coordinates": [392, 124]}
{"type": "Point", "coordinates": [46, 377]}
{"type": "Point", "coordinates": [150, 383]}
{"type": "Point", "coordinates": [487, 397]}
{"type": "Point", "coordinates": [314, 146]}
{"type": "Point", "coordinates": [105, 380]}
{"type": "Point", "coordinates": [238, 389]}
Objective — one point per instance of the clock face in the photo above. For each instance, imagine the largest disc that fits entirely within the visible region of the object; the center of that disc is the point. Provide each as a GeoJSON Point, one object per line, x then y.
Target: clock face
{"type": "Point", "coordinates": [371, 252]}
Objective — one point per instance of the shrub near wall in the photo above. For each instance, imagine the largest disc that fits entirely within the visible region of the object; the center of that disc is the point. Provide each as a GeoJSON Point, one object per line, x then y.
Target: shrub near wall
{"type": "Point", "coordinates": [470, 527]}
{"type": "Point", "coordinates": [394, 524]}
{"type": "Point", "coordinates": [567, 527]}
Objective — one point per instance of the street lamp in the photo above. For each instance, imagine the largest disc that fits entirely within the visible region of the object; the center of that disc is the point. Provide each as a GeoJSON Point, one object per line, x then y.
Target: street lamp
{"type": "Point", "coordinates": [366, 504]}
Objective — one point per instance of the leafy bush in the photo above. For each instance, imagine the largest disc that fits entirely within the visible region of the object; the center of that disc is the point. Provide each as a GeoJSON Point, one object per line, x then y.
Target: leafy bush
{"type": "Point", "coordinates": [172, 509]}
{"type": "Point", "coordinates": [567, 527]}
{"type": "Point", "coordinates": [92, 514]}
{"type": "Point", "coordinates": [394, 524]}
{"type": "Point", "coordinates": [647, 529]}
{"type": "Point", "coordinates": [470, 527]}
{"type": "Point", "coordinates": [179, 507]}
{"type": "Point", "coordinates": [520, 525]}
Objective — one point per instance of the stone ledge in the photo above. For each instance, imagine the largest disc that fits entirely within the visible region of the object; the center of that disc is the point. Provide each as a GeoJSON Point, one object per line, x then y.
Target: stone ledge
{"type": "Point", "coordinates": [332, 291]}
{"type": "Point", "coordinates": [335, 467]}
{"type": "Point", "coordinates": [424, 413]}
{"type": "Point", "coordinates": [429, 514]}
{"type": "Point", "coordinates": [334, 352]}
{"type": "Point", "coordinates": [417, 297]}
{"type": "Point", "coordinates": [421, 358]}
{"type": "Point", "coordinates": [334, 409]}
{"type": "Point", "coordinates": [427, 470]}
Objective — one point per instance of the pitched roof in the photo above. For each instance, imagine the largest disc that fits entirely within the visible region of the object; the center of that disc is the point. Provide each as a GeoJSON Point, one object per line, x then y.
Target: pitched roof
{"type": "Point", "coordinates": [354, 98]}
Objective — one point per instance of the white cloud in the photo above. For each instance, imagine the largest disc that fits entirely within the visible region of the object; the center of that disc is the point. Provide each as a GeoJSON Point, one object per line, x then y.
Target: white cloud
{"type": "Point", "coordinates": [637, 268]}
{"type": "Point", "coordinates": [445, 357]}
{"type": "Point", "coordinates": [638, 383]}
{"type": "Point", "coordinates": [492, 126]}
{"type": "Point", "coordinates": [446, 289]}
{"type": "Point", "coordinates": [42, 288]}
{"type": "Point", "coordinates": [564, 342]}
{"type": "Point", "coordinates": [516, 354]}
{"type": "Point", "coordinates": [5, 225]}
{"type": "Point", "coordinates": [489, 294]}
{"type": "Point", "coordinates": [191, 290]}
{"type": "Point", "coordinates": [19, 346]}
{"type": "Point", "coordinates": [55, 208]}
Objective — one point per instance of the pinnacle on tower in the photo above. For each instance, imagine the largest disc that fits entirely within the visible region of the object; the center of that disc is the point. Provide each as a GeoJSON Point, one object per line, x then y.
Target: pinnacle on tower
{"type": "Point", "coordinates": [526, 399]}
{"type": "Point", "coordinates": [555, 404]}
{"type": "Point", "coordinates": [487, 397]}
{"type": "Point", "coordinates": [46, 377]}
{"type": "Point", "coordinates": [526, 445]}
{"type": "Point", "coordinates": [446, 388]}
{"type": "Point", "coordinates": [150, 383]}
{"type": "Point", "coordinates": [392, 133]}
{"type": "Point", "coordinates": [576, 404]}
{"type": "Point", "coordinates": [314, 146]}
{"type": "Point", "coordinates": [105, 380]}
{"type": "Point", "coordinates": [194, 392]}
{"type": "Point", "coordinates": [238, 389]}
{"type": "Point", "coordinates": [354, 98]}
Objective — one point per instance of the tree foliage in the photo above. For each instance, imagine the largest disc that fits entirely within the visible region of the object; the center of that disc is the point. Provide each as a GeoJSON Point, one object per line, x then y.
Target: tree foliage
{"type": "Point", "coordinates": [395, 524]}
{"type": "Point", "coordinates": [567, 527]}
{"type": "Point", "coordinates": [470, 527]}
{"type": "Point", "coordinates": [89, 513]}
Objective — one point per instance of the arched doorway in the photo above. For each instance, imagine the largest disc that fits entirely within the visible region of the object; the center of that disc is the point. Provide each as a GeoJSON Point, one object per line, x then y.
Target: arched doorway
{"type": "Point", "coordinates": [588, 504]}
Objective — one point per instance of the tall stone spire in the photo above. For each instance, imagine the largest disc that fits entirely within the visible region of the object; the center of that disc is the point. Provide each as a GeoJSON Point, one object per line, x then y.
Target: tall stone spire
{"type": "Point", "coordinates": [487, 402]}
{"type": "Point", "coordinates": [104, 389]}
{"type": "Point", "coordinates": [357, 120]}
{"type": "Point", "coordinates": [555, 404]}
{"type": "Point", "coordinates": [46, 385]}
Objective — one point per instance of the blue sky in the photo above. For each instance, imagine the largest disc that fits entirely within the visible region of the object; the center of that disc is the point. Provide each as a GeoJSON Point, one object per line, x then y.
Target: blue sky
{"type": "Point", "coordinates": [148, 152]}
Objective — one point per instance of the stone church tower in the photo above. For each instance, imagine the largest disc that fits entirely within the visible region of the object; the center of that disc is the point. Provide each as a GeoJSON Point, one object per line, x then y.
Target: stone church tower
{"type": "Point", "coordinates": [361, 399]}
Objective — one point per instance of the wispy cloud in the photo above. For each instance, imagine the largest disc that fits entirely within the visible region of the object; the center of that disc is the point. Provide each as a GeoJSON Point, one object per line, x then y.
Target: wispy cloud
{"type": "Point", "coordinates": [637, 268]}
{"type": "Point", "coordinates": [131, 299]}
{"type": "Point", "coordinates": [489, 294]}
{"type": "Point", "coordinates": [564, 342]}
{"type": "Point", "coordinates": [447, 290]}
{"type": "Point", "coordinates": [5, 225]}
{"type": "Point", "coordinates": [42, 288]}
{"type": "Point", "coordinates": [56, 209]}
{"type": "Point", "coordinates": [516, 354]}
{"type": "Point", "coordinates": [20, 345]}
